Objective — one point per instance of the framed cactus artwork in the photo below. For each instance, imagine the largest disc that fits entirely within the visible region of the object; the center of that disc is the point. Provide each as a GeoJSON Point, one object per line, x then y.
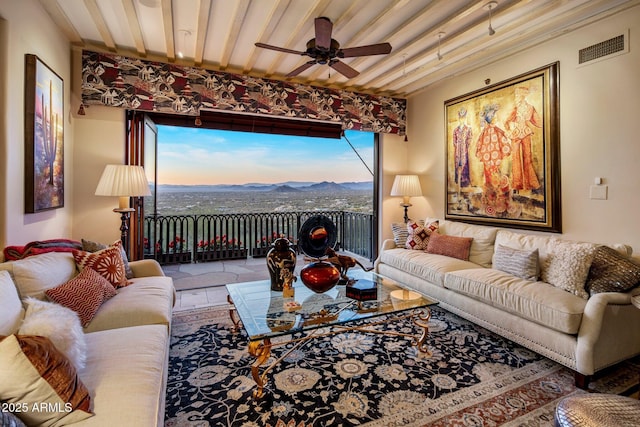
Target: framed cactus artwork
{"type": "Point", "coordinates": [44, 137]}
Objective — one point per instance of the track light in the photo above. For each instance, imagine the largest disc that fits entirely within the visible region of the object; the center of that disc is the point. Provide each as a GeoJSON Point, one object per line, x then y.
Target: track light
{"type": "Point", "coordinates": [489, 6]}
{"type": "Point", "coordinates": [81, 110]}
{"type": "Point", "coordinates": [440, 35]}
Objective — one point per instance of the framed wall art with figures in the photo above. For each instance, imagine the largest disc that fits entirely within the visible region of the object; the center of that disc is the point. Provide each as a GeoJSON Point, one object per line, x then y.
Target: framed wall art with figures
{"type": "Point", "coordinates": [503, 153]}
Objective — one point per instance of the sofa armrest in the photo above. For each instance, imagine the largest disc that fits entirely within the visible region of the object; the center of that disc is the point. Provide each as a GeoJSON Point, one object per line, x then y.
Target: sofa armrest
{"type": "Point", "coordinates": [593, 319]}
{"type": "Point", "coordinates": [388, 244]}
{"type": "Point", "coordinates": [146, 268]}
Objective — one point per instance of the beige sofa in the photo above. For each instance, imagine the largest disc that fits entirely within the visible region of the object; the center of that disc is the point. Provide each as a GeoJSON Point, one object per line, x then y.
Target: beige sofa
{"type": "Point", "coordinates": [586, 335]}
{"type": "Point", "coordinates": [127, 341]}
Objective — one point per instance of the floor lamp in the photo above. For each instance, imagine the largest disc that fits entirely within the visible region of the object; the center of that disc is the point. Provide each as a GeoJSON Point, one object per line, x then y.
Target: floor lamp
{"type": "Point", "coordinates": [123, 181]}
{"type": "Point", "coordinates": [406, 186]}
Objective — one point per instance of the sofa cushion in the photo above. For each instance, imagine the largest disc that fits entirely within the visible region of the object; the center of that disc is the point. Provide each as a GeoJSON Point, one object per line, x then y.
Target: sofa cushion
{"type": "Point", "coordinates": [36, 274]}
{"type": "Point", "coordinates": [484, 238]}
{"type": "Point", "coordinates": [107, 262]}
{"type": "Point", "coordinates": [83, 294]}
{"type": "Point", "coordinates": [11, 310]}
{"type": "Point", "coordinates": [537, 301]}
{"type": "Point", "coordinates": [451, 246]}
{"type": "Point", "coordinates": [544, 244]}
{"type": "Point", "coordinates": [430, 267]}
{"type": "Point", "coordinates": [567, 266]}
{"type": "Point", "coordinates": [32, 371]}
{"type": "Point", "coordinates": [418, 234]}
{"type": "Point", "coordinates": [147, 300]}
{"type": "Point", "coordinates": [611, 271]}
{"type": "Point", "coordinates": [132, 359]}
{"type": "Point", "coordinates": [519, 262]}
{"type": "Point", "coordinates": [58, 323]}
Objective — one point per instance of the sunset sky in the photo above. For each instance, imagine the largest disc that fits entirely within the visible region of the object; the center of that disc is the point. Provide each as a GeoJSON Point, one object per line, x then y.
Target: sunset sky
{"type": "Point", "coordinates": [203, 156]}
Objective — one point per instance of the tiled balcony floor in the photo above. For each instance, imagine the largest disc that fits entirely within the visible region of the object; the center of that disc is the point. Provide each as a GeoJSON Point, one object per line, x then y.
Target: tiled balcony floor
{"type": "Point", "coordinates": [202, 284]}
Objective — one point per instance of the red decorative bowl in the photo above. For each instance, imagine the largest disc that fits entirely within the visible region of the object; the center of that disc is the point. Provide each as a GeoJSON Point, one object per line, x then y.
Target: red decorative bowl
{"type": "Point", "coordinates": [320, 276]}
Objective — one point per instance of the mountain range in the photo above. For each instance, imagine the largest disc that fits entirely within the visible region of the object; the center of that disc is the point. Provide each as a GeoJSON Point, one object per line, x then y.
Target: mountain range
{"type": "Point", "coordinates": [283, 187]}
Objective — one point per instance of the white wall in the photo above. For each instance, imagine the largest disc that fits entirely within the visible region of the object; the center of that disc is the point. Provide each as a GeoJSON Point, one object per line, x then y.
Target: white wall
{"type": "Point", "coordinates": [28, 29]}
{"type": "Point", "coordinates": [599, 109]}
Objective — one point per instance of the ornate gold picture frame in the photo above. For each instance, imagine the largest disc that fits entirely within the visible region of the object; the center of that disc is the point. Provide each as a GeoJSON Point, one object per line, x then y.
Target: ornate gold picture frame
{"type": "Point", "coordinates": [503, 153]}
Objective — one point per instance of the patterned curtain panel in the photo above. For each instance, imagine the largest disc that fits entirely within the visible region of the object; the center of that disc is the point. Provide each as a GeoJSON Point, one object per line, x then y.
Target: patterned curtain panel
{"type": "Point", "coordinates": [137, 84]}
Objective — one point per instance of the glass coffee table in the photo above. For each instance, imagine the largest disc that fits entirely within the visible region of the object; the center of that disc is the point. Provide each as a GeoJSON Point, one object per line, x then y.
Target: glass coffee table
{"type": "Point", "coordinates": [267, 315]}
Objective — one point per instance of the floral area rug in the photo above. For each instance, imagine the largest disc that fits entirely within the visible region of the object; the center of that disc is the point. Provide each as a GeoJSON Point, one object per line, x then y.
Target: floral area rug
{"type": "Point", "coordinates": [474, 377]}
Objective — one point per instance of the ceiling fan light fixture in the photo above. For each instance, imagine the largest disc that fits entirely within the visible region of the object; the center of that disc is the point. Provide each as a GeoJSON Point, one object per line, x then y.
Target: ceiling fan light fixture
{"type": "Point", "coordinates": [489, 6]}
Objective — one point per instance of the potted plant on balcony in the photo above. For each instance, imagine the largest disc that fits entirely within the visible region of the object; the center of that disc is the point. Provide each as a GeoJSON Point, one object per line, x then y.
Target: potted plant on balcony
{"type": "Point", "coordinates": [220, 248]}
{"type": "Point", "coordinates": [177, 252]}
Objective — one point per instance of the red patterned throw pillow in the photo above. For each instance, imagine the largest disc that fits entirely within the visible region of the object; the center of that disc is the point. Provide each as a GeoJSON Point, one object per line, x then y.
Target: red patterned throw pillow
{"type": "Point", "coordinates": [451, 246]}
{"type": "Point", "coordinates": [107, 262]}
{"type": "Point", "coordinates": [83, 294]}
{"type": "Point", "coordinates": [419, 234]}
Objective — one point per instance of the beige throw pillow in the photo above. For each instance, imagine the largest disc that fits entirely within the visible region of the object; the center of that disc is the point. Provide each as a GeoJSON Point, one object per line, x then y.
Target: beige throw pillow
{"type": "Point", "coordinates": [567, 266]}
{"type": "Point", "coordinates": [35, 374]}
{"type": "Point", "coordinates": [520, 263]}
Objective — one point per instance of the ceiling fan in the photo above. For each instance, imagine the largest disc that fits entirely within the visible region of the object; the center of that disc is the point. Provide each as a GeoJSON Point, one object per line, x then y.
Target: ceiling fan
{"type": "Point", "coordinates": [326, 51]}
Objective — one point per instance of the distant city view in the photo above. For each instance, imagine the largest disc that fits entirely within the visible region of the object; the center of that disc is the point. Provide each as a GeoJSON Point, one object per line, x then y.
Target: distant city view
{"type": "Point", "coordinates": [287, 197]}
{"type": "Point", "coordinates": [202, 171]}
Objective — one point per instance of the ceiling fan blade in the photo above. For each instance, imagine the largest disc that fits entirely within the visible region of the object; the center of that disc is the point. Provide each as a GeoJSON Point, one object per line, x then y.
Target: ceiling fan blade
{"type": "Point", "coordinates": [301, 69]}
{"type": "Point", "coordinates": [279, 49]}
{"type": "Point", "coordinates": [324, 27]}
{"type": "Point", "coordinates": [372, 49]}
{"type": "Point", "coordinates": [343, 69]}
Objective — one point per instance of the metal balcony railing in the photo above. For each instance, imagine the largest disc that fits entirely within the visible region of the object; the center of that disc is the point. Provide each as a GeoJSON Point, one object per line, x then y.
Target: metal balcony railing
{"type": "Point", "coordinates": [174, 239]}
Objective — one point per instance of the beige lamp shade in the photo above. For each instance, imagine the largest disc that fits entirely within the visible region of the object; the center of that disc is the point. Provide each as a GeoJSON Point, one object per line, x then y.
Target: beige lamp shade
{"type": "Point", "coordinates": [406, 186]}
{"type": "Point", "coordinates": [123, 181]}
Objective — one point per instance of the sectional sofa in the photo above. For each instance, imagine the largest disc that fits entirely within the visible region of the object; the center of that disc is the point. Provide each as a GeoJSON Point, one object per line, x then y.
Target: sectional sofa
{"type": "Point", "coordinates": [569, 301]}
{"type": "Point", "coordinates": [119, 358]}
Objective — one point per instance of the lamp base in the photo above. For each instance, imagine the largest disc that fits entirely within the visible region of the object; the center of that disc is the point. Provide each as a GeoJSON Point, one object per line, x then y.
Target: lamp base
{"type": "Point", "coordinates": [406, 209]}
{"type": "Point", "coordinates": [124, 226]}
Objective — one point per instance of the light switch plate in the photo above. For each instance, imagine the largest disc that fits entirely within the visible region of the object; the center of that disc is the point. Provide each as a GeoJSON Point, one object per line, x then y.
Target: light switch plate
{"type": "Point", "coordinates": [598, 192]}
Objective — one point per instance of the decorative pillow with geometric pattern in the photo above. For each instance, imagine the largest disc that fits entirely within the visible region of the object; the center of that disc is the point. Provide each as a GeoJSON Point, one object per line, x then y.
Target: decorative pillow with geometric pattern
{"type": "Point", "coordinates": [418, 234]}
{"type": "Point", "coordinates": [90, 246]}
{"type": "Point", "coordinates": [107, 262]}
{"type": "Point", "coordinates": [83, 294]}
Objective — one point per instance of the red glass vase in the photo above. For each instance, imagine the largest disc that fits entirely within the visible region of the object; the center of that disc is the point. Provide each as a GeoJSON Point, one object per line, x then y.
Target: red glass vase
{"type": "Point", "coordinates": [320, 276]}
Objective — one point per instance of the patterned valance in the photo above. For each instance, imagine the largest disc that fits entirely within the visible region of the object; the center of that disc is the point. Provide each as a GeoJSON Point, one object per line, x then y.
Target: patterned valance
{"type": "Point", "coordinates": [137, 84]}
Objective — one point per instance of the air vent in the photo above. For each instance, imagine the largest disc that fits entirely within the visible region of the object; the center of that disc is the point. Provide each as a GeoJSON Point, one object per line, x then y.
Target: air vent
{"type": "Point", "coordinates": [602, 49]}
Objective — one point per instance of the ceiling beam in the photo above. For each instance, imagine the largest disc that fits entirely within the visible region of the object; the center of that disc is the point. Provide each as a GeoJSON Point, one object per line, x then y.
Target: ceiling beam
{"type": "Point", "coordinates": [134, 26]}
{"type": "Point", "coordinates": [232, 36]}
{"type": "Point", "coordinates": [167, 26]}
{"type": "Point", "coordinates": [61, 19]}
{"type": "Point", "coordinates": [272, 20]}
{"type": "Point", "coordinates": [204, 10]}
{"type": "Point", "coordinates": [101, 25]}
